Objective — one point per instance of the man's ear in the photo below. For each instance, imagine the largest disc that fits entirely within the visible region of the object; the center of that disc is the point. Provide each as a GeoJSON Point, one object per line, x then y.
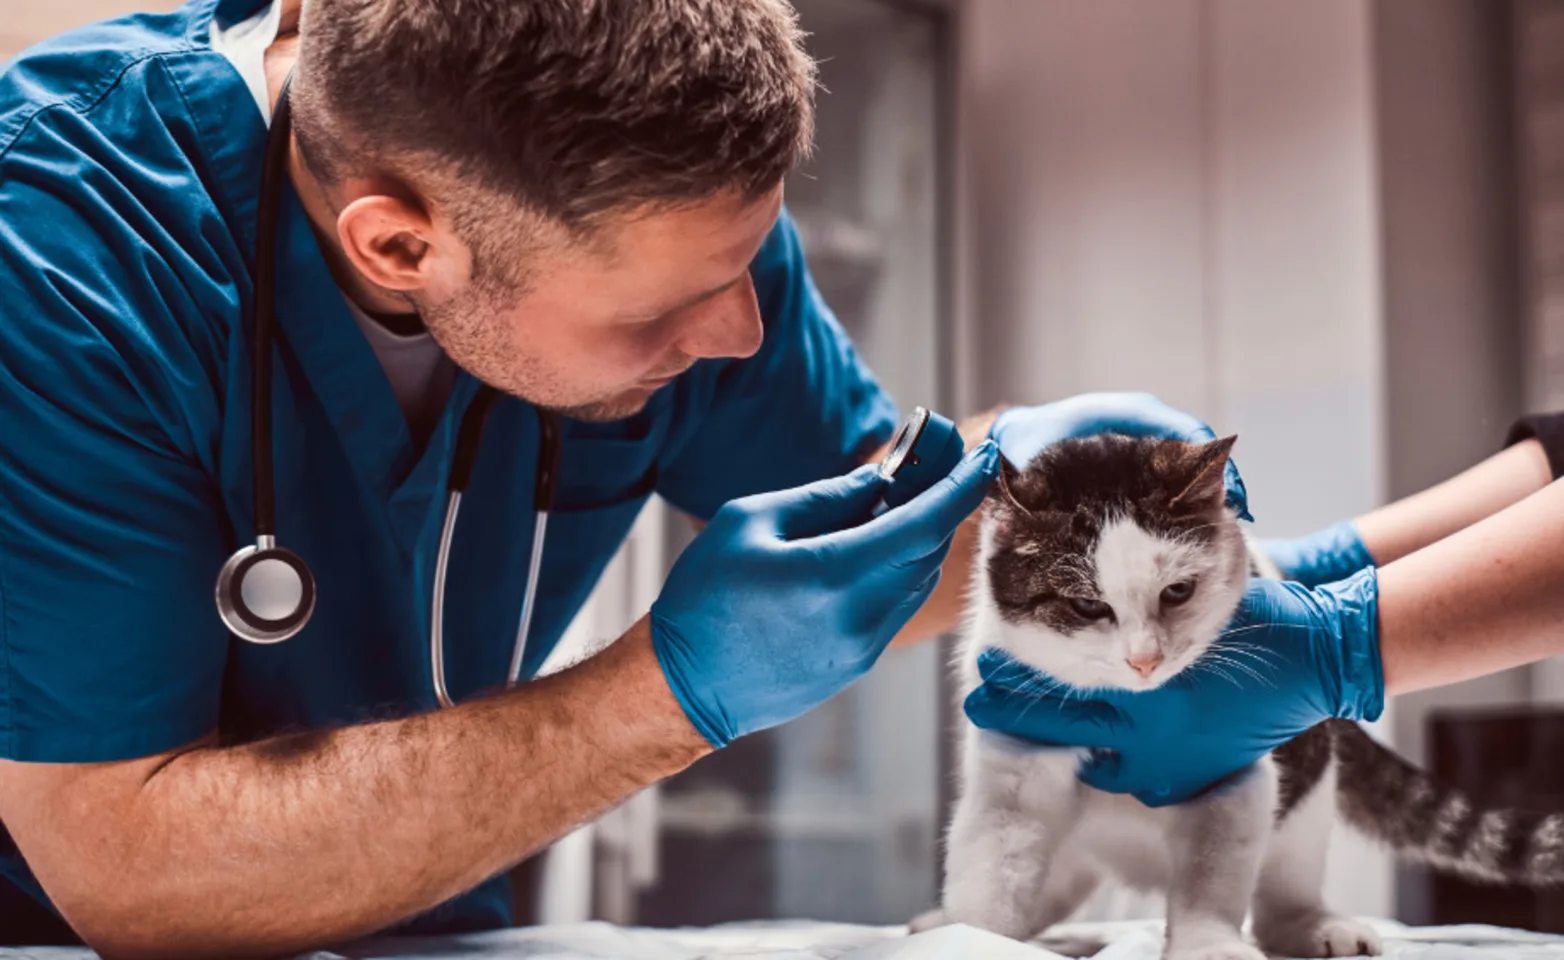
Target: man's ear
{"type": "Point", "coordinates": [1205, 467]}
{"type": "Point", "coordinates": [387, 239]}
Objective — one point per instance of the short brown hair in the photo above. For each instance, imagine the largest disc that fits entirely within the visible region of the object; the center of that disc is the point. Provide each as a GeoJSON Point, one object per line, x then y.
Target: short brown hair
{"type": "Point", "coordinates": [572, 107]}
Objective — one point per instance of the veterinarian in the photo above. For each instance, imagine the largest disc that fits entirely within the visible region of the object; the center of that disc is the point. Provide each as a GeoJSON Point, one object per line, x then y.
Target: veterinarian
{"type": "Point", "coordinates": [1457, 582]}
{"type": "Point", "coordinates": [530, 262]}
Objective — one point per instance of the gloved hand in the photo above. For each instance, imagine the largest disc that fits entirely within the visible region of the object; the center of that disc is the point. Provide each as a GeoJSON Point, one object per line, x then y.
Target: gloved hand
{"type": "Point", "coordinates": [1023, 432]}
{"type": "Point", "coordinates": [1332, 554]}
{"type": "Point", "coordinates": [786, 598]}
{"type": "Point", "coordinates": [1292, 657]}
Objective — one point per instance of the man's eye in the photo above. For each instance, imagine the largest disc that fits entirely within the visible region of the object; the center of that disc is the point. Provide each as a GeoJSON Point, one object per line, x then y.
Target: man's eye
{"type": "Point", "coordinates": [1176, 593]}
{"type": "Point", "coordinates": [1090, 609]}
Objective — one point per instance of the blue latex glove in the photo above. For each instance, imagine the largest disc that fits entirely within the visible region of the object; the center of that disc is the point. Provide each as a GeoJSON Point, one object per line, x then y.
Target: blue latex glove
{"type": "Point", "coordinates": [1332, 554]}
{"type": "Point", "coordinates": [1023, 432]}
{"type": "Point", "coordinates": [786, 598]}
{"type": "Point", "coordinates": [1294, 656]}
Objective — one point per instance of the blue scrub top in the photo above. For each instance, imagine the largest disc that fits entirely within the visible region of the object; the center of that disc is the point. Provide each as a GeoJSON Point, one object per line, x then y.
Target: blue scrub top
{"type": "Point", "coordinates": [130, 161]}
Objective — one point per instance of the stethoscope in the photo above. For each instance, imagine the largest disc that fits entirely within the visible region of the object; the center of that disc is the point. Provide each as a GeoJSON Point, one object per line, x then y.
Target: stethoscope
{"type": "Point", "coordinates": [266, 592]}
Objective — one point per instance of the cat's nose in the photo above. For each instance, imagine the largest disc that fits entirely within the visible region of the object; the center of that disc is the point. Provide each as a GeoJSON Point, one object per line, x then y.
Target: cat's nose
{"type": "Point", "coordinates": [1145, 663]}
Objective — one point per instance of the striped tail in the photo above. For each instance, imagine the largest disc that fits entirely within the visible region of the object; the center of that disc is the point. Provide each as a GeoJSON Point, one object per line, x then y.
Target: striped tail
{"type": "Point", "coordinates": [1427, 822]}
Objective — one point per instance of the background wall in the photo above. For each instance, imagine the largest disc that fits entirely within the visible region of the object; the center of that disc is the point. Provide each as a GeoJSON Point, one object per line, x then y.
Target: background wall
{"type": "Point", "coordinates": [1452, 312]}
{"type": "Point", "coordinates": [1181, 196]}
{"type": "Point", "coordinates": [25, 22]}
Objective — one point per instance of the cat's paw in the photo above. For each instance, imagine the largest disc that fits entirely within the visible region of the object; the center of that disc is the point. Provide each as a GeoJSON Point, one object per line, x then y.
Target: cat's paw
{"type": "Point", "coordinates": [1235, 950]}
{"type": "Point", "coordinates": [928, 920]}
{"type": "Point", "coordinates": [1326, 936]}
{"type": "Point", "coordinates": [1076, 946]}
{"type": "Point", "coordinates": [990, 908]}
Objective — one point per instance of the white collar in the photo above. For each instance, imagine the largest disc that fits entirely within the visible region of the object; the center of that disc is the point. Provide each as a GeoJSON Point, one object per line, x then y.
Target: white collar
{"type": "Point", "coordinates": [244, 44]}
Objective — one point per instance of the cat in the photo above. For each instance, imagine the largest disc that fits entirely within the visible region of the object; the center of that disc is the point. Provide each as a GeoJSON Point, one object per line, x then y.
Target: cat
{"type": "Point", "coordinates": [1115, 562]}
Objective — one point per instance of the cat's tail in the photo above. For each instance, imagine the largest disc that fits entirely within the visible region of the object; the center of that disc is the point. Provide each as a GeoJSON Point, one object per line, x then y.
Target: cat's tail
{"type": "Point", "coordinates": [1428, 822]}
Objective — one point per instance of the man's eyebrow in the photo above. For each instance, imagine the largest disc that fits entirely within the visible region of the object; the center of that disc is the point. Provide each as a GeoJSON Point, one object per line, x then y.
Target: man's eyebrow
{"type": "Point", "coordinates": [701, 298]}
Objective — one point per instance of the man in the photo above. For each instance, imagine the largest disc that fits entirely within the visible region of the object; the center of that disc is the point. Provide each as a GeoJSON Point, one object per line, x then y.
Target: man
{"type": "Point", "coordinates": [578, 203]}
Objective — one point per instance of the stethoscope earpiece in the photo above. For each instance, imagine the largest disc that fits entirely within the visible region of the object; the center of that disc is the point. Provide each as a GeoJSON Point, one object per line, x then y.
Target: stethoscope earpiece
{"type": "Point", "coordinates": [265, 593]}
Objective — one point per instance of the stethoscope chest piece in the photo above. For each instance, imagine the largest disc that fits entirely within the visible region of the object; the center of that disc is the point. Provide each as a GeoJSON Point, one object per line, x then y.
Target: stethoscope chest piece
{"type": "Point", "coordinates": [265, 593]}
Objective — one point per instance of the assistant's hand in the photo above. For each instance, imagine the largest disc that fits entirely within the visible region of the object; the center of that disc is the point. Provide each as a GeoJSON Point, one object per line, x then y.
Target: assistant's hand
{"type": "Point", "coordinates": [1292, 657]}
{"type": "Point", "coordinates": [1335, 553]}
{"type": "Point", "coordinates": [786, 598]}
{"type": "Point", "coordinates": [1023, 432]}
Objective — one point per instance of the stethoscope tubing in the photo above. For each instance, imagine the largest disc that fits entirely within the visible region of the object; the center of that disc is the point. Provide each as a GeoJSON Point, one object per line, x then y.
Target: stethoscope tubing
{"type": "Point", "coordinates": [232, 600]}
{"type": "Point", "coordinates": [263, 324]}
{"type": "Point", "coordinates": [528, 600]}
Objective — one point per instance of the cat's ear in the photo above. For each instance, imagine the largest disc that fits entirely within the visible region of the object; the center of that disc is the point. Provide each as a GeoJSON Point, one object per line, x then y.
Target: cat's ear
{"type": "Point", "coordinates": [1205, 467]}
{"type": "Point", "coordinates": [1002, 494]}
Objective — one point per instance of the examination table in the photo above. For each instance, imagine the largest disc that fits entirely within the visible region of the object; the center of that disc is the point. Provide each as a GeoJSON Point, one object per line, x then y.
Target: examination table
{"type": "Point", "coordinates": [825, 941]}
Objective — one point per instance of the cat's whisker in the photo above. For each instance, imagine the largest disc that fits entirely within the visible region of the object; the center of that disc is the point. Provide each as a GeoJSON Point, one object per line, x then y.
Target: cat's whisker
{"type": "Point", "coordinates": [1028, 709]}
{"type": "Point", "coordinates": [1223, 674]}
{"type": "Point", "coordinates": [1035, 688]}
{"type": "Point", "coordinates": [1262, 626]}
{"type": "Point", "coordinates": [1025, 688]}
{"type": "Point", "coordinates": [1261, 655]}
{"type": "Point", "coordinates": [1248, 628]}
{"type": "Point", "coordinates": [1055, 685]}
{"type": "Point", "coordinates": [1255, 674]}
{"type": "Point", "coordinates": [1229, 643]}
{"type": "Point", "coordinates": [1236, 665]}
{"type": "Point", "coordinates": [1263, 671]}
{"type": "Point", "coordinates": [1038, 698]}
{"type": "Point", "coordinates": [1247, 645]}
{"type": "Point", "coordinates": [1248, 660]}
{"type": "Point", "coordinates": [1212, 668]}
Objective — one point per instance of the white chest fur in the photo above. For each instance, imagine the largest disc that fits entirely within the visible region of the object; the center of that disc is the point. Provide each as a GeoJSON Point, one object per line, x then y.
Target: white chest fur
{"type": "Point", "coordinates": [1115, 837]}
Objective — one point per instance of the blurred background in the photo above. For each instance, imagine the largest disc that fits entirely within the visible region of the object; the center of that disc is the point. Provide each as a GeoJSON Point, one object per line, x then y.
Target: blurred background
{"type": "Point", "coordinates": [1334, 227]}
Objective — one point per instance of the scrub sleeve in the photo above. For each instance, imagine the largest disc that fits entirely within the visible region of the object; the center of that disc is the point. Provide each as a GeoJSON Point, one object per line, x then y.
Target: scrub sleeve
{"type": "Point", "coordinates": [111, 526]}
{"type": "Point", "coordinates": [1547, 429]}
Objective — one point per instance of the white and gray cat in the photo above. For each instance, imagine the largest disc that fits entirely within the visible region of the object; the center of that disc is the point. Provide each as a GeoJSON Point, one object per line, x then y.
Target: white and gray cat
{"type": "Point", "coordinates": [1114, 562]}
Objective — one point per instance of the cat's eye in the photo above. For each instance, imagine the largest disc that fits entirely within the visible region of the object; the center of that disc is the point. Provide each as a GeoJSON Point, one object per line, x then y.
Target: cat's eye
{"type": "Point", "coordinates": [1090, 609]}
{"type": "Point", "coordinates": [1176, 593]}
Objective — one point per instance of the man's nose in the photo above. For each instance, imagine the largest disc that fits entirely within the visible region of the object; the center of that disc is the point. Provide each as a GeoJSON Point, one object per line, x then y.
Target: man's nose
{"type": "Point", "coordinates": [726, 326]}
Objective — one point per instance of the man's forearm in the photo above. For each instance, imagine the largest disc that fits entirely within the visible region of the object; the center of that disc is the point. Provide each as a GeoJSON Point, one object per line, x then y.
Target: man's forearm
{"type": "Point", "coordinates": [299, 841]}
{"type": "Point", "coordinates": [942, 612]}
{"type": "Point", "coordinates": [1405, 526]}
{"type": "Point", "coordinates": [1482, 600]}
